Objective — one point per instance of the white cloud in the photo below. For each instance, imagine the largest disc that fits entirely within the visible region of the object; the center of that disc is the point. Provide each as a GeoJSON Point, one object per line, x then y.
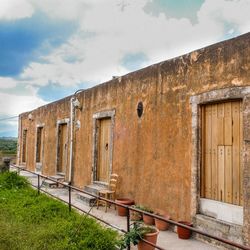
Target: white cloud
{"type": "Point", "coordinates": [15, 104]}
{"type": "Point", "coordinates": [15, 9]}
{"type": "Point", "coordinates": [122, 27]}
{"type": "Point", "coordinates": [235, 12]}
{"type": "Point", "coordinates": [118, 28]}
{"type": "Point", "coordinates": [7, 83]}
{"type": "Point", "coordinates": [63, 9]}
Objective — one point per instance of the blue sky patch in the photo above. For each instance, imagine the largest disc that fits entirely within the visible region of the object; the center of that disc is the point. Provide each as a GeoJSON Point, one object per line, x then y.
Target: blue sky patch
{"type": "Point", "coordinates": [230, 30]}
{"type": "Point", "coordinates": [7, 129]}
{"type": "Point", "coordinates": [23, 41]}
{"type": "Point", "coordinates": [52, 92]}
{"type": "Point", "coordinates": [134, 61]}
{"type": "Point", "coordinates": [175, 9]}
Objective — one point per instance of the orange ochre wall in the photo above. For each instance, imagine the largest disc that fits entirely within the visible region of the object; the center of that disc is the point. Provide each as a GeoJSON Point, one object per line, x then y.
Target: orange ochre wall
{"type": "Point", "coordinates": [152, 154]}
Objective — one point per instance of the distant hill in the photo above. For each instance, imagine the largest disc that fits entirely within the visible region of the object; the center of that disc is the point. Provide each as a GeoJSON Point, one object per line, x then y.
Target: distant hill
{"type": "Point", "coordinates": [8, 145]}
{"type": "Point", "coordinates": [8, 138]}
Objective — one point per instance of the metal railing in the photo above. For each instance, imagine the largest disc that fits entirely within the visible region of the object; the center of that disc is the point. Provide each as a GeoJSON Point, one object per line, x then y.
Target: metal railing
{"type": "Point", "coordinates": [70, 205]}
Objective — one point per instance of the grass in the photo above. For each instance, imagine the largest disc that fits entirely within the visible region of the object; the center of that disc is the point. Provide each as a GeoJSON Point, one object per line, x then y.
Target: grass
{"type": "Point", "coordinates": [29, 221]}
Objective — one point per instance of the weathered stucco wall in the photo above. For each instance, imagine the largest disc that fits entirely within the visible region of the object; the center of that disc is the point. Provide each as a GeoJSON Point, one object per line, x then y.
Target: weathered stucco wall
{"type": "Point", "coordinates": [152, 154]}
{"type": "Point", "coordinates": [48, 116]}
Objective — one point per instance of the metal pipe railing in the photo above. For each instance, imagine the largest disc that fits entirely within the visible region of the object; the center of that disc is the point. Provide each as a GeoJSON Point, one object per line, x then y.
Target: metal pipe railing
{"type": "Point", "coordinates": [70, 188]}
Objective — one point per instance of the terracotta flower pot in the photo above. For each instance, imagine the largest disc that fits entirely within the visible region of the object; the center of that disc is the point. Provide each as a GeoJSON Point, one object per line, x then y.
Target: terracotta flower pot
{"type": "Point", "coordinates": [149, 220]}
{"type": "Point", "coordinates": [121, 210]}
{"type": "Point", "coordinates": [162, 225]}
{"type": "Point", "coordinates": [184, 233]}
{"type": "Point", "coordinates": [151, 237]}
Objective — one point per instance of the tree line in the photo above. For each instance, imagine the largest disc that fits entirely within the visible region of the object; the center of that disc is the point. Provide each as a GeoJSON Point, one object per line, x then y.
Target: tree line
{"type": "Point", "coordinates": [8, 145]}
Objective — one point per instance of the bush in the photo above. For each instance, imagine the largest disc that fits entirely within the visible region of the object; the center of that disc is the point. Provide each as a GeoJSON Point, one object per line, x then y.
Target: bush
{"type": "Point", "coordinates": [11, 180]}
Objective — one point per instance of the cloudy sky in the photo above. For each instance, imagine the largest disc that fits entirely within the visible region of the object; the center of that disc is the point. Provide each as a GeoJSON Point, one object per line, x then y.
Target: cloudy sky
{"type": "Point", "coordinates": [50, 48]}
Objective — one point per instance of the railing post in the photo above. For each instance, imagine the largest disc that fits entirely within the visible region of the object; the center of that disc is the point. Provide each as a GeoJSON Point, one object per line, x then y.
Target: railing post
{"type": "Point", "coordinates": [69, 198]}
{"type": "Point", "coordinates": [38, 183]}
{"type": "Point", "coordinates": [128, 224]}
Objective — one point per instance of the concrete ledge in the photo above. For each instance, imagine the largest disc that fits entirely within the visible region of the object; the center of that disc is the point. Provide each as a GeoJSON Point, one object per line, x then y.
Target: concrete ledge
{"type": "Point", "coordinates": [222, 211]}
{"type": "Point", "coordinates": [219, 228]}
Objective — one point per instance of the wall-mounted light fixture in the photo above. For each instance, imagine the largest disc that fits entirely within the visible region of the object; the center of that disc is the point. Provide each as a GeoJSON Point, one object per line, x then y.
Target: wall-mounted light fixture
{"type": "Point", "coordinates": [78, 124]}
{"type": "Point", "coordinates": [77, 104]}
{"type": "Point", "coordinates": [30, 117]}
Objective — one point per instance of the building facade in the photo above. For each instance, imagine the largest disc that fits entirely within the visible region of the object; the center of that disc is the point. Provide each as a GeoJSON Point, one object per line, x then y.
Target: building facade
{"type": "Point", "coordinates": [177, 133]}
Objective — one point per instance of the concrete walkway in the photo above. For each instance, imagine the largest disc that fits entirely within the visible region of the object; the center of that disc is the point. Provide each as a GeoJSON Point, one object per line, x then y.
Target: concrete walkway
{"type": "Point", "coordinates": [166, 239]}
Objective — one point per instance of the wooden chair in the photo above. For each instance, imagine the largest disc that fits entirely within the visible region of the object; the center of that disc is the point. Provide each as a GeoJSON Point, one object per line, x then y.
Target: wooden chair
{"type": "Point", "coordinates": [109, 193]}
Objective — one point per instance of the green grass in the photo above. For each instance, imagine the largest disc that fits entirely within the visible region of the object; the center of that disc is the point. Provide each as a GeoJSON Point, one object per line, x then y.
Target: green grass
{"type": "Point", "coordinates": [29, 221]}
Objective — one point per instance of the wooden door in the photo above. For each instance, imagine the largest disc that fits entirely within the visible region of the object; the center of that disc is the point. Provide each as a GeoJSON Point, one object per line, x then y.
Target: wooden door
{"type": "Point", "coordinates": [103, 162]}
{"type": "Point", "coordinates": [221, 173]}
{"type": "Point", "coordinates": [62, 148]}
{"type": "Point", "coordinates": [24, 145]}
{"type": "Point", "coordinates": [39, 144]}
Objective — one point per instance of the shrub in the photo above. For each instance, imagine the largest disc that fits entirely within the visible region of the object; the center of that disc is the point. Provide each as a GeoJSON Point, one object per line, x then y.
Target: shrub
{"type": "Point", "coordinates": [10, 180]}
{"type": "Point", "coordinates": [136, 233]}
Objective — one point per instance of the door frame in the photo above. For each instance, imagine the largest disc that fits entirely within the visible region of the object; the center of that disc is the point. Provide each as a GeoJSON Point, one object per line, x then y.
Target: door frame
{"type": "Point", "coordinates": [58, 123]}
{"type": "Point", "coordinates": [226, 94]}
{"type": "Point", "coordinates": [24, 131]}
{"type": "Point", "coordinates": [39, 165]}
{"type": "Point", "coordinates": [96, 120]}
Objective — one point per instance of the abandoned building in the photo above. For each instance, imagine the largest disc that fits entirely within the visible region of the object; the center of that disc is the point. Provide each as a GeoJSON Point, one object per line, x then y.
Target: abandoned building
{"type": "Point", "coordinates": [177, 133]}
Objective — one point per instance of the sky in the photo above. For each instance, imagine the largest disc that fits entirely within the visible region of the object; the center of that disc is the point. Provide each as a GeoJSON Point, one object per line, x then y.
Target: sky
{"type": "Point", "coordinates": [51, 48]}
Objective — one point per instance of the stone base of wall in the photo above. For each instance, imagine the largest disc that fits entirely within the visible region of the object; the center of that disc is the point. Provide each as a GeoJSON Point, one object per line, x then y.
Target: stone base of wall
{"type": "Point", "coordinates": [218, 228]}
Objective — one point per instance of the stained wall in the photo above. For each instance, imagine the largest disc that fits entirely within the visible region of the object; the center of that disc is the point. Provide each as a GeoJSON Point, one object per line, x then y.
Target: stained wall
{"type": "Point", "coordinates": [152, 154]}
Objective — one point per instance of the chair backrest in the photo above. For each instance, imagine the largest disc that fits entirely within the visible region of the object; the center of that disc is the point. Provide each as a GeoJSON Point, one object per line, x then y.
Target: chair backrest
{"type": "Point", "coordinates": [114, 176]}
{"type": "Point", "coordinates": [112, 185]}
{"type": "Point", "coordinates": [113, 182]}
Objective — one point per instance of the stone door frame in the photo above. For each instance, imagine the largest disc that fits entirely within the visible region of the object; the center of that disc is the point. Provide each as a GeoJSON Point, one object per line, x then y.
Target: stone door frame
{"type": "Point", "coordinates": [96, 117]}
{"type": "Point", "coordinates": [226, 94]}
{"type": "Point", "coordinates": [58, 123]}
{"type": "Point", "coordinates": [38, 165]}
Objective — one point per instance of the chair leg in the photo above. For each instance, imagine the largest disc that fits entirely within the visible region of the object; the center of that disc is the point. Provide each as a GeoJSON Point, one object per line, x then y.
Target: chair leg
{"type": "Point", "coordinates": [98, 201]}
{"type": "Point", "coordinates": [110, 198]}
{"type": "Point", "coordinates": [114, 198]}
{"type": "Point", "coordinates": [97, 204]}
{"type": "Point", "coordinates": [106, 203]}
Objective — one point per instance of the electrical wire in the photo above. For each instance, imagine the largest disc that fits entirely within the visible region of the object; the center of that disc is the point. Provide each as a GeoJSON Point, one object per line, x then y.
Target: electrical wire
{"type": "Point", "coordinates": [8, 118]}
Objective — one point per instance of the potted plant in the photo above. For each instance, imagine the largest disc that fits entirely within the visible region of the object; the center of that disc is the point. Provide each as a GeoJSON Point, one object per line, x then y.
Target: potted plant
{"type": "Point", "coordinates": [124, 201]}
{"type": "Point", "coordinates": [184, 233]}
{"type": "Point", "coordinates": [149, 220]}
{"type": "Point", "coordinates": [137, 233]}
{"type": "Point", "coordinates": [134, 215]}
{"type": "Point", "coordinates": [160, 224]}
